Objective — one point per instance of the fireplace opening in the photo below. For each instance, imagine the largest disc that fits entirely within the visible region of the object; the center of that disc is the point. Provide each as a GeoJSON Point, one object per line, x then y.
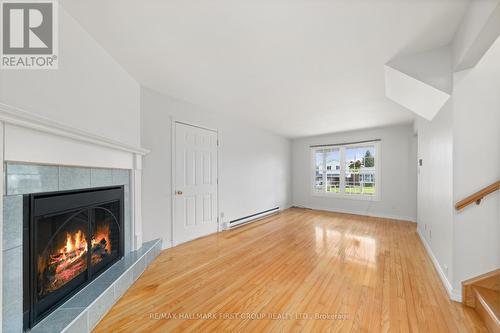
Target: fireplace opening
{"type": "Point", "coordinates": [69, 239]}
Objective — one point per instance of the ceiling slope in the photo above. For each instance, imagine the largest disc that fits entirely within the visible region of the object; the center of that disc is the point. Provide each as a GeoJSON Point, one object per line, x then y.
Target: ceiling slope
{"type": "Point", "coordinates": [296, 68]}
{"type": "Point", "coordinates": [423, 82]}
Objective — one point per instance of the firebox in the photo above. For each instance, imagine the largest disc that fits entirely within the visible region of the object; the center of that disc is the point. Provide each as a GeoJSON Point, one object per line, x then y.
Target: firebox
{"type": "Point", "coordinates": [70, 237]}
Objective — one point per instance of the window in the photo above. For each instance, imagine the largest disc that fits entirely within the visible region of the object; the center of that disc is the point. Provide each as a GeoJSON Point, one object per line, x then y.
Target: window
{"type": "Point", "coordinates": [327, 171]}
{"type": "Point", "coordinates": [350, 171]}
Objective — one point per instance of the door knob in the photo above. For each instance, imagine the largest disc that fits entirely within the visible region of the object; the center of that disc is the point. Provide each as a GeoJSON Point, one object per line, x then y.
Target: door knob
{"type": "Point", "coordinates": [178, 192]}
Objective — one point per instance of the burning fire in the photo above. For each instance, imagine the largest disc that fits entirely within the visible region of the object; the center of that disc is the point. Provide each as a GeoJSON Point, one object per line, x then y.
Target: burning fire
{"type": "Point", "coordinates": [102, 236]}
{"type": "Point", "coordinates": [65, 263]}
{"type": "Point", "coordinates": [75, 248]}
{"type": "Point", "coordinates": [70, 259]}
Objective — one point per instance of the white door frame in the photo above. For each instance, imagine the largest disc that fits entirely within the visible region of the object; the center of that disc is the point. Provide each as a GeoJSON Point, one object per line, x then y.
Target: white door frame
{"type": "Point", "coordinates": [175, 121]}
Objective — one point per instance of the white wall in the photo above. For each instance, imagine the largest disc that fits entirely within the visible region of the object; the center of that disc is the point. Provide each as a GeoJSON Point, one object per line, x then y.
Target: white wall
{"type": "Point", "coordinates": [89, 91]}
{"type": "Point", "coordinates": [435, 188]}
{"type": "Point", "coordinates": [460, 149]}
{"type": "Point", "coordinates": [476, 107]}
{"type": "Point", "coordinates": [254, 165]}
{"type": "Point", "coordinates": [398, 173]}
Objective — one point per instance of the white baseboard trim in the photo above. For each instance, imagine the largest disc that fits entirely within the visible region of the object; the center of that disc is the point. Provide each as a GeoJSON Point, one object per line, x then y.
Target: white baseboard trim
{"type": "Point", "coordinates": [166, 245]}
{"type": "Point", "coordinates": [456, 295]}
{"type": "Point", "coordinates": [363, 213]}
{"type": "Point", "coordinates": [452, 293]}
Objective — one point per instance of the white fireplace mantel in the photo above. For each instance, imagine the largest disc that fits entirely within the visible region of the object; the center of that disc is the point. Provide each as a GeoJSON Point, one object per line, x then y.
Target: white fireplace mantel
{"type": "Point", "coordinates": [29, 138]}
{"type": "Point", "coordinates": [15, 116]}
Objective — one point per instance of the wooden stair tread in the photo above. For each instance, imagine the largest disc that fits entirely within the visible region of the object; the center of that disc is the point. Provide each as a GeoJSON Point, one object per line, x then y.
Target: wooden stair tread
{"type": "Point", "coordinates": [487, 304]}
{"type": "Point", "coordinates": [489, 280]}
{"type": "Point", "coordinates": [492, 282]}
{"type": "Point", "coordinates": [491, 297]}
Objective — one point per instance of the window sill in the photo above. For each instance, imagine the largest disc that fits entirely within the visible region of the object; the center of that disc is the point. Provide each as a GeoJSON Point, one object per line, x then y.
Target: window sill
{"type": "Point", "coordinates": [343, 196]}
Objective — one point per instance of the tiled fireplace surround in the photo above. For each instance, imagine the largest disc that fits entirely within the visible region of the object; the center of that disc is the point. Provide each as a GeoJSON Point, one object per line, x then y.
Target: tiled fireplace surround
{"type": "Point", "coordinates": [33, 178]}
{"type": "Point", "coordinates": [40, 155]}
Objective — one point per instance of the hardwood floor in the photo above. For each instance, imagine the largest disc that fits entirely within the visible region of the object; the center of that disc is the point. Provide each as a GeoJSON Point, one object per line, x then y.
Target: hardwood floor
{"type": "Point", "coordinates": [366, 274]}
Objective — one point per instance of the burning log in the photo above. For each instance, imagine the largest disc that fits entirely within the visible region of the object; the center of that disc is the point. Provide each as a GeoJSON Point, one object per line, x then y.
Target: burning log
{"type": "Point", "coordinates": [99, 251]}
{"type": "Point", "coordinates": [67, 262]}
{"type": "Point", "coordinates": [59, 277]}
{"type": "Point", "coordinates": [67, 256]}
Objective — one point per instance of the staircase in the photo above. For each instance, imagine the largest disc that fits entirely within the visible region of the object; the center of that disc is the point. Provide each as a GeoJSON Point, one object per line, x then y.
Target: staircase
{"type": "Point", "coordinates": [483, 294]}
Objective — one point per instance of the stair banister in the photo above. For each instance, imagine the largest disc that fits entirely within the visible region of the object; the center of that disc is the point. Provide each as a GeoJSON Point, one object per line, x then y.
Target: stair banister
{"type": "Point", "coordinates": [478, 196]}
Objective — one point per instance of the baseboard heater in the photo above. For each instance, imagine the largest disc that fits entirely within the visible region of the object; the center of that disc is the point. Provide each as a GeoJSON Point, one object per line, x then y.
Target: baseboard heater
{"type": "Point", "coordinates": [253, 217]}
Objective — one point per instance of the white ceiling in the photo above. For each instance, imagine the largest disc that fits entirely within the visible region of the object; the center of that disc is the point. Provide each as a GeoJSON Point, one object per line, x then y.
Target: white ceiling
{"type": "Point", "coordinates": [296, 67]}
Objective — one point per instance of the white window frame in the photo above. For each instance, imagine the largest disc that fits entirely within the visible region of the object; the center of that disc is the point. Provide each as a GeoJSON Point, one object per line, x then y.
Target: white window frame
{"type": "Point", "coordinates": [342, 194]}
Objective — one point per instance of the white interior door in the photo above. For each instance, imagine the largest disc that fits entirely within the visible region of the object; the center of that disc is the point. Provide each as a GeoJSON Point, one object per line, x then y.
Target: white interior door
{"type": "Point", "coordinates": [195, 182]}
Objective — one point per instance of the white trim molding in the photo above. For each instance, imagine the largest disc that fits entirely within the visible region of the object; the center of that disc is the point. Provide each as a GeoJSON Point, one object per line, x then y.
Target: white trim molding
{"type": "Point", "coordinates": [166, 245]}
{"type": "Point", "coordinates": [361, 213]}
{"type": "Point", "coordinates": [15, 116]}
{"type": "Point", "coordinates": [452, 293]}
{"type": "Point", "coordinates": [136, 186]}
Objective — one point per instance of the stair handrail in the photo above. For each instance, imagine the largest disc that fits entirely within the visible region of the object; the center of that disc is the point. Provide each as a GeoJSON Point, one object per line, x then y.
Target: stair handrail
{"type": "Point", "coordinates": [478, 196]}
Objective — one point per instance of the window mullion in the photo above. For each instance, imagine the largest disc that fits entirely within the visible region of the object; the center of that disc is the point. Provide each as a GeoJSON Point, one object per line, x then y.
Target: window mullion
{"type": "Point", "coordinates": [342, 170]}
{"type": "Point", "coordinates": [325, 185]}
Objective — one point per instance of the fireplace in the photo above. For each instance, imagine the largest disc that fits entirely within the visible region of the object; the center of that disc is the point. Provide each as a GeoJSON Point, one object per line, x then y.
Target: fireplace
{"type": "Point", "coordinates": [70, 237]}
